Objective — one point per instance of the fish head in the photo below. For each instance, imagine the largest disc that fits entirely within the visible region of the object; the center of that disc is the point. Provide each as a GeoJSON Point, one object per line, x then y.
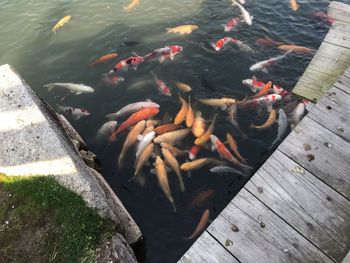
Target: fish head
{"type": "Point", "coordinates": [248, 82]}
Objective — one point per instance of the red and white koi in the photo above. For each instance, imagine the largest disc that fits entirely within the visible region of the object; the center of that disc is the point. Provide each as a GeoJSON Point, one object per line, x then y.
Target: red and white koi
{"type": "Point", "coordinates": [254, 84]}
{"type": "Point", "coordinates": [127, 64]}
{"type": "Point", "coordinates": [221, 43]}
{"type": "Point", "coordinates": [76, 113]}
{"type": "Point", "coordinates": [162, 87]}
{"type": "Point", "coordinates": [267, 100]}
{"type": "Point", "coordinates": [277, 89]}
{"type": "Point", "coordinates": [162, 53]}
{"type": "Point", "coordinates": [264, 65]}
{"type": "Point", "coordinates": [231, 24]}
{"type": "Point", "coordinates": [194, 152]}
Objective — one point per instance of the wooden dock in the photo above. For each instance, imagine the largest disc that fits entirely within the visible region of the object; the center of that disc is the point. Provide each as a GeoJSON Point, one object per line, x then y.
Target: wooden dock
{"type": "Point", "coordinates": [296, 208]}
{"type": "Point", "coordinates": [332, 58]}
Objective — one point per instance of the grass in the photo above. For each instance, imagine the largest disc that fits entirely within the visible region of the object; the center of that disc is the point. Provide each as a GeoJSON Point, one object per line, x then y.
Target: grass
{"type": "Point", "coordinates": [41, 221]}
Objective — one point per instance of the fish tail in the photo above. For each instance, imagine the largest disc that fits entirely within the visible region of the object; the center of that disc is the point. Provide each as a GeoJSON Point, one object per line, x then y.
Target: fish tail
{"type": "Point", "coordinates": [49, 87]}
{"type": "Point", "coordinates": [246, 168]}
{"type": "Point", "coordinates": [120, 162]}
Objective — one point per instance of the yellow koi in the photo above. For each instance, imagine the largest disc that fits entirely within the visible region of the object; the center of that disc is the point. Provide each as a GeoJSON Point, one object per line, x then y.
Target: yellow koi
{"type": "Point", "coordinates": [61, 23]}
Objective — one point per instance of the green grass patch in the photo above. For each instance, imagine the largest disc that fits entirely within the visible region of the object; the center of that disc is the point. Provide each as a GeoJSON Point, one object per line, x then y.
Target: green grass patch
{"type": "Point", "coordinates": [41, 221]}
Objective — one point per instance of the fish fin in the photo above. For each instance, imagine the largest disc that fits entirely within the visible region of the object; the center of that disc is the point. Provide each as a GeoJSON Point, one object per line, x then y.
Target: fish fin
{"type": "Point", "coordinates": [213, 148]}
{"type": "Point", "coordinates": [77, 118]}
{"type": "Point", "coordinates": [161, 59]}
{"type": "Point", "coordinates": [246, 168]}
{"type": "Point", "coordinates": [78, 93]}
{"type": "Point", "coordinates": [265, 70]}
{"type": "Point", "coordinates": [234, 3]}
{"type": "Point", "coordinates": [223, 107]}
{"type": "Point", "coordinates": [139, 137]}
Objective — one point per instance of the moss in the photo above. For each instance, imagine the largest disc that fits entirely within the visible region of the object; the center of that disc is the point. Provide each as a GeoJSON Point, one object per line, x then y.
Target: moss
{"type": "Point", "coordinates": [47, 223]}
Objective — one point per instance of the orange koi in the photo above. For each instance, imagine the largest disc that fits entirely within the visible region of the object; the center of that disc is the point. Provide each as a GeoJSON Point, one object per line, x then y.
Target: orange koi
{"type": "Point", "coordinates": [104, 58]}
{"type": "Point", "coordinates": [201, 225]}
{"type": "Point", "coordinates": [181, 116]}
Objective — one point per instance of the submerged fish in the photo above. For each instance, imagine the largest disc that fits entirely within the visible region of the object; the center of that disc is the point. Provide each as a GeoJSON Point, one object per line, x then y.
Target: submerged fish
{"type": "Point", "coordinates": [112, 81]}
{"type": "Point", "coordinates": [172, 137]}
{"type": "Point", "coordinates": [189, 115]}
{"type": "Point", "coordinates": [143, 158]}
{"type": "Point", "coordinates": [264, 65]}
{"type": "Point", "coordinates": [104, 59]}
{"type": "Point", "coordinates": [163, 180]}
{"type": "Point", "coordinates": [245, 14]}
{"type": "Point", "coordinates": [323, 15]}
{"type": "Point", "coordinates": [106, 130]}
{"type": "Point", "coordinates": [173, 163]}
{"type": "Point", "coordinates": [166, 128]}
{"type": "Point", "coordinates": [221, 43]}
{"type": "Point", "coordinates": [61, 23]}
{"type": "Point", "coordinates": [277, 89]}
{"type": "Point", "coordinates": [267, 100]}
{"type": "Point", "coordinates": [183, 87]}
{"type": "Point", "coordinates": [132, 108]}
{"type": "Point", "coordinates": [199, 125]}
{"type": "Point", "coordinates": [144, 142]}
{"type": "Point", "coordinates": [181, 115]}
{"type": "Point", "coordinates": [264, 91]}
{"type": "Point", "coordinates": [127, 64]}
{"type": "Point", "coordinates": [176, 152]}
{"type": "Point", "coordinates": [198, 164]}
{"type": "Point", "coordinates": [162, 87]}
{"type": "Point", "coordinates": [201, 199]}
{"type": "Point", "coordinates": [295, 48]}
{"type": "Point", "coordinates": [130, 141]}
{"type": "Point", "coordinates": [231, 24]}
{"type": "Point", "coordinates": [76, 113]}
{"type": "Point", "coordinates": [233, 145]}
{"type": "Point", "coordinates": [282, 127]}
{"type": "Point", "coordinates": [268, 123]}
{"type": "Point", "coordinates": [294, 5]}
{"type": "Point", "coordinates": [201, 225]}
{"type": "Point", "coordinates": [133, 4]}
{"type": "Point", "coordinates": [182, 30]}
{"type": "Point", "coordinates": [243, 47]}
{"type": "Point", "coordinates": [298, 114]}
{"type": "Point", "coordinates": [220, 103]}
{"type": "Point", "coordinates": [206, 136]}
{"type": "Point", "coordinates": [77, 89]}
{"type": "Point", "coordinates": [194, 152]}
{"type": "Point", "coordinates": [226, 169]}
{"type": "Point", "coordinates": [266, 41]}
{"type": "Point", "coordinates": [162, 53]}
{"type": "Point", "coordinates": [254, 84]}
{"type": "Point", "coordinates": [133, 119]}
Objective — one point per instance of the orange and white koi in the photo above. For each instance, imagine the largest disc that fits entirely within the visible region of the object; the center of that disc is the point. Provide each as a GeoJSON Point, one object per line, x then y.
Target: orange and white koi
{"type": "Point", "coordinates": [133, 119]}
{"type": "Point", "coordinates": [221, 43]}
{"type": "Point", "coordinates": [194, 152]}
{"type": "Point", "coordinates": [254, 84]}
{"type": "Point", "coordinates": [127, 64]}
{"type": "Point", "coordinates": [264, 91]}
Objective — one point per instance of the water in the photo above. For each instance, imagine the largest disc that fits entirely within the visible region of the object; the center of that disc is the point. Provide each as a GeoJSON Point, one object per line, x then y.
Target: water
{"type": "Point", "coordinates": [100, 27]}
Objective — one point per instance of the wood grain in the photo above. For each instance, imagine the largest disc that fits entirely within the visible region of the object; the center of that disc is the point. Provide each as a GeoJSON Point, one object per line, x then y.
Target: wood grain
{"type": "Point", "coordinates": [336, 119]}
{"type": "Point", "coordinates": [330, 164]}
{"type": "Point", "coordinates": [275, 242]}
{"type": "Point", "coordinates": [339, 11]}
{"type": "Point", "coordinates": [207, 249]}
{"type": "Point", "coordinates": [311, 207]}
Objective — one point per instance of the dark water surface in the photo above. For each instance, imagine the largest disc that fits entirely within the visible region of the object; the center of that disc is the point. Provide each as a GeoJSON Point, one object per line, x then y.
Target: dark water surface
{"type": "Point", "coordinates": [100, 27]}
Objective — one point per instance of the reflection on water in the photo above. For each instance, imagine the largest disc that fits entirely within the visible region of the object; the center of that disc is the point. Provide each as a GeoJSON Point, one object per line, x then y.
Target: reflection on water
{"type": "Point", "coordinates": [101, 27]}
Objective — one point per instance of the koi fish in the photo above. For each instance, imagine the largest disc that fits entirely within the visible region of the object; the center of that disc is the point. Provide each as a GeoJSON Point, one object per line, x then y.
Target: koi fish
{"type": "Point", "coordinates": [130, 141]}
{"type": "Point", "coordinates": [166, 128]}
{"type": "Point", "coordinates": [104, 58]}
{"type": "Point", "coordinates": [267, 100]}
{"type": "Point", "coordinates": [201, 199]}
{"type": "Point", "coordinates": [243, 47]}
{"type": "Point", "coordinates": [232, 119]}
{"type": "Point", "coordinates": [298, 114]}
{"type": "Point", "coordinates": [194, 152]}
{"type": "Point", "coordinates": [162, 53]}
{"type": "Point", "coordinates": [172, 162]}
{"type": "Point", "coordinates": [162, 178]}
{"type": "Point", "coordinates": [294, 5]}
{"type": "Point", "coordinates": [297, 49]}
{"type": "Point", "coordinates": [172, 137]}
{"type": "Point", "coordinates": [182, 30]}
{"type": "Point", "coordinates": [106, 130]}
{"type": "Point", "coordinates": [231, 24]}
{"type": "Point", "coordinates": [112, 81]}
{"type": "Point", "coordinates": [323, 15]}
{"type": "Point", "coordinates": [221, 43]}
{"type": "Point", "coordinates": [77, 89]}
{"type": "Point", "coordinates": [162, 87]}
{"type": "Point", "coordinates": [265, 90]}
{"type": "Point", "coordinates": [175, 151]}
{"type": "Point", "coordinates": [76, 113]}
{"type": "Point", "coordinates": [201, 225]}
{"type": "Point", "coordinates": [206, 136]}
{"type": "Point", "coordinates": [181, 115]}
{"type": "Point", "coordinates": [133, 119]}
{"type": "Point", "coordinates": [264, 65]}
{"type": "Point", "coordinates": [61, 23]}
{"type": "Point", "coordinates": [183, 87]}
{"type": "Point", "coordinates": [277, 89]}
{"type": "Point", "coordinates": [196, 164]}
{"type": "Point", "coordinates": [233, 145]}
{"type": "Point", "coordinates": [268, 123]}
{"type": "Point", "coordinates": [266, 41]}
{"type": "Point", "coordinates": [220, 147]}
{"type": "Point", "coordinates": [143, 158]}
{"type": "Point", "coordinates": [221, 169]}
{"type": "Point", "coordinates": [199, 125]}
{"type": "Point", "coordinates": [132, 108]}
{"type": "Point", "coordinates": [245, 14]}
{"type": "Point", "coordinates": [189, 115]}
{"type": "Point", "coordinates": [282, 127]}
{"type": "Point", "coordinates": [222, 103]}
{"type": "Point", "coordinates": [127, 64]}
{"type": "Point", "coordinates": [152, 123]}
{"type": "Point", "coordinates": [133, 4]}
{"type": "Point", "coordinates": [144, 142]}
{"type": "Point", "coordinates": [254, 84]}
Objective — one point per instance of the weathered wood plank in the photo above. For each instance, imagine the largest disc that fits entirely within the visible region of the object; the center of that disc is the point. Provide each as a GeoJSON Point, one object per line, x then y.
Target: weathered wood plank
{"type": "Point", "coordinates": [276, 241]}
{"type": "Point", "coordinates": [335, 52]}
{"type": "Point", "coordinates": [329, 66]}
{"type": "Point", "coordinates": [339, 34]}
{"type": "Point", "coordinates": [339, 11]}
{"type": "Point", "coordinates": [343, 84]}
{"type": "Point", "coordinates": [337, 117]}
{"type": "Point", "coordinates": [347, 258]}
{"type": "Point", "coordinates": [313, 84]}
{"type": "Point", "coordinates": [311, 207]}
{"type": "Point", "coordinates": [328, 158]}
{"type": "Point", "coordinates": [207, 249]}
